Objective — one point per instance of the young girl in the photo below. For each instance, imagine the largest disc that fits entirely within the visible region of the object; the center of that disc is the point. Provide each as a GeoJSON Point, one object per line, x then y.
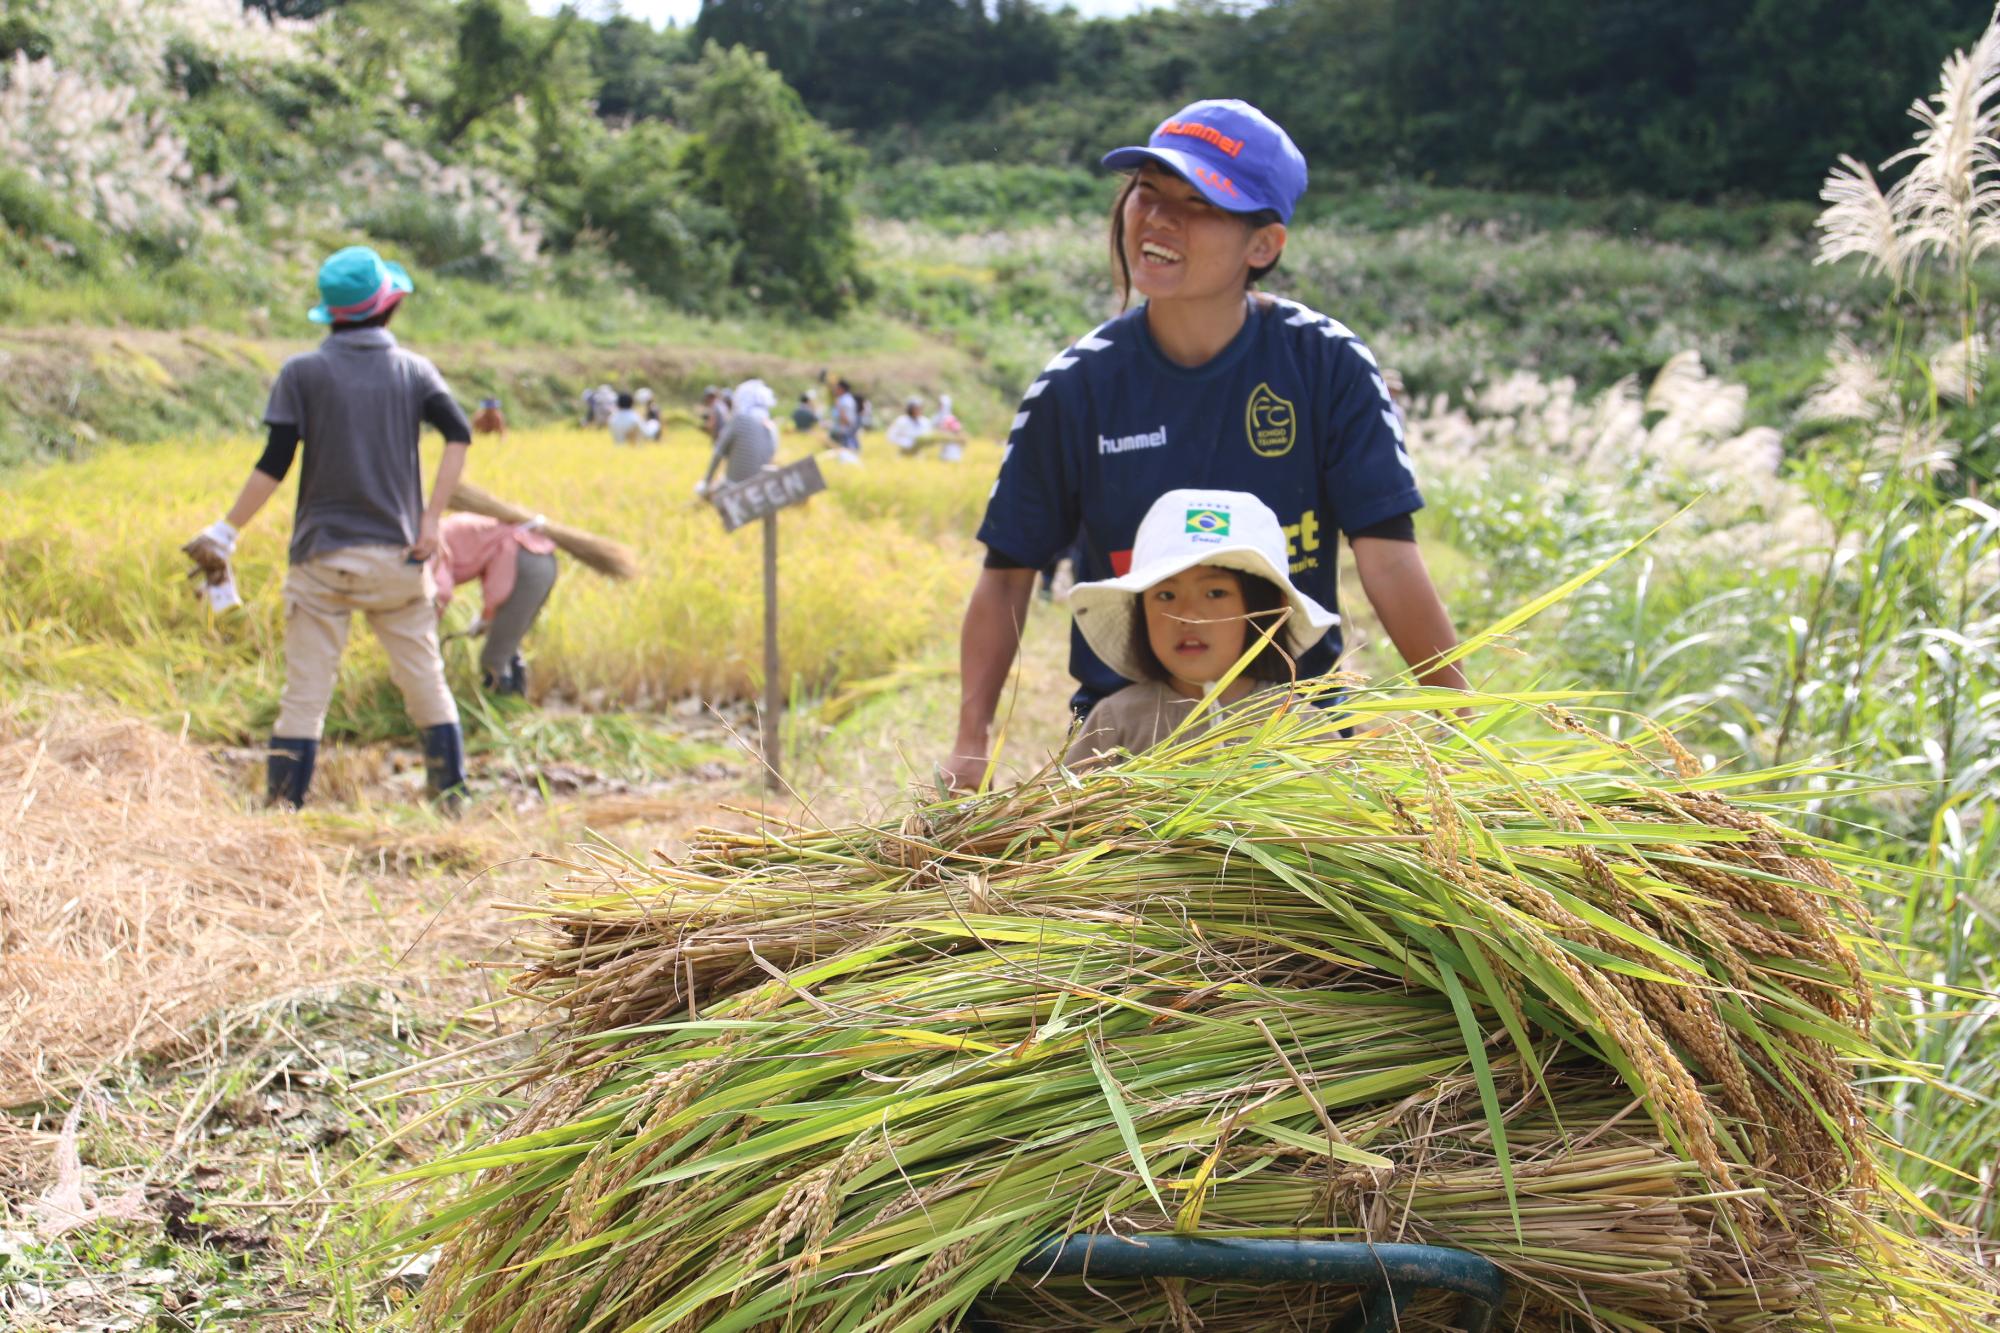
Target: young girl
{"type": "Point", "coordinates": [1206, 384]}
{"type": "Point", "coordinates": [1208, 579]}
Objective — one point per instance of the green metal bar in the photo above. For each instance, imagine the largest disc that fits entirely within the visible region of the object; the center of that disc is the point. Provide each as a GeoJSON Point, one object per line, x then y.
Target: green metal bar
{"type": "Point", "coordinates": [1390, 1275]}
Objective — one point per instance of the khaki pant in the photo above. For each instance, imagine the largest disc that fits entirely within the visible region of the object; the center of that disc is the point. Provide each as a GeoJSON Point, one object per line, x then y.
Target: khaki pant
{"type": "Point", "coordinates": [321, 596]}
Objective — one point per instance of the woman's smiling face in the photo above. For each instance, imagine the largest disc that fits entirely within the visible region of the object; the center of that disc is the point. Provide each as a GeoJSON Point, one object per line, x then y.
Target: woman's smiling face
{"type": "Point", "coordinates": [1195, 624]}
{"type": "Point", "coordinates": [1179, 246]}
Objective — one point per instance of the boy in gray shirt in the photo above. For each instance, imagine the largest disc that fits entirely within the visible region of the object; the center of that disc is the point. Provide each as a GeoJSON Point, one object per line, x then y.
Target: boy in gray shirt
{"type": "Point", "coordinates": [362, 534]}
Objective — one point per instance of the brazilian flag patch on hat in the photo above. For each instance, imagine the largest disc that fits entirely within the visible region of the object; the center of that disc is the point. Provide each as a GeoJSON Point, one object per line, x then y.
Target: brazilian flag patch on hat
{"type": "Point", "coordinates": [1209, 522]}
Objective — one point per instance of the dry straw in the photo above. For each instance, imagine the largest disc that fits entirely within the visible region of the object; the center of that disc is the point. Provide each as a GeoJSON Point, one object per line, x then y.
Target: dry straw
{"type": "Point", "coordinates": [138, 897]}
{"type": "Point", "coordinates": [600, 553]}
{"type": "Point", "coordinates": [1555, 1001]}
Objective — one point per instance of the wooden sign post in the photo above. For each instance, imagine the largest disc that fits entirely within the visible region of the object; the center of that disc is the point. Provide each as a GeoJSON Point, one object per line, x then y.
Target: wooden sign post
{"type": "Point", "coordinates": [741, 502]}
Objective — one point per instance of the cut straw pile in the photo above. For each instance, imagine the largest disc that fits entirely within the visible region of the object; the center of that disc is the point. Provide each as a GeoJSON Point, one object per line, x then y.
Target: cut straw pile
{"type": "Point", "coordinates": [1548, 1001]}
{"type": "Point", "coordinates": [135, 896]}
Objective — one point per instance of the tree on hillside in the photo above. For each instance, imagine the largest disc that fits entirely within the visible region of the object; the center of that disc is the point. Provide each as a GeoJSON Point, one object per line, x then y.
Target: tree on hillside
{"type": "Point", "coordinates": [875, 63]}
{"type": "Point", "coordinates": [636, 193]}
{"type": "Point", "coordinates": [638, 68]}
{"type": "Point", "coordinates": [1689, 99]}
{"type": "Point", "coordinates": [1322, 68]}
{"type": "Point", "coordinates": [782, 178]}
{"type": "Point", "coordinates": [784, 30]}
{"type": "Point", "coordinates": [290, 9]}
{"type": "Point", "coordinates": [504, 52]}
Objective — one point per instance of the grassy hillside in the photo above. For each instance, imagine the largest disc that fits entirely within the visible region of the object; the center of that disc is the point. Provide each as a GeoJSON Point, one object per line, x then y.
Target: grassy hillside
{"type": "Point", "coordinates": [1452, 299]}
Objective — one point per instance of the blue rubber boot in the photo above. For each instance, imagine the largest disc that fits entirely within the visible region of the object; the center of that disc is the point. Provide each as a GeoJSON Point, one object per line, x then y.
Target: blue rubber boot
{"type": "Point", "coordinates": [288, 770]}
{"type": "Point", "coordinates": [444, 764]}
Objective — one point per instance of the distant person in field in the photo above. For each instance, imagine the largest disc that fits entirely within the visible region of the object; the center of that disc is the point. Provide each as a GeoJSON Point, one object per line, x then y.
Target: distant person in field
{"type": "Point", "coordinates": [714, 412]}
{"type": "Point", "coordinates": [749, 440]}
{"type": "Point", "coordinates": [489, 420]}
{"type": "Point", "coordinates": [946, 419]}
{"type": "Point", "coordinates": [911, 430]}
{"type": "Point", "coordinates": [627, 426]}
{"type": "Point", "coordinates": [845, 426]}
{"type": "Point", "coordinates": [599, 404]}
{"type": "Point", "coordinates": [951, 444]}
{"type": "Point", "coordinates": [1208, 385]}
{"type": "Point", "coordinates": [516, 567]}
{"type": "Point", "coordinates": [362, 536]}
{"type": "Point", "coordinates": [805, 416]}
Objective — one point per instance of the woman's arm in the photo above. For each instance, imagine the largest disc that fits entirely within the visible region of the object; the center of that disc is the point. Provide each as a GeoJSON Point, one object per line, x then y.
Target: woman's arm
{"type": "Point", "coordinates": [1399, 587]}
{"type": "Point", "coordinates": [987, 643]}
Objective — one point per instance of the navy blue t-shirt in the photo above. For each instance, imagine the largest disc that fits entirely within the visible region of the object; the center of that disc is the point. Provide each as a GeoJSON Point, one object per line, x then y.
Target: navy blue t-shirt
{"type": "Point", "coordinates": [1293, 411]}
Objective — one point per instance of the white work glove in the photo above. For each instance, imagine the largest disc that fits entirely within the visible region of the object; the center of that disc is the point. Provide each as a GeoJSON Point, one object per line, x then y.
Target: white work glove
{"type": "Point", "coordinates": [221, 535]}
{"type": "Point", "coordinates": [223, 596]}
{"type": "Point", "coordinates": [210, 550]}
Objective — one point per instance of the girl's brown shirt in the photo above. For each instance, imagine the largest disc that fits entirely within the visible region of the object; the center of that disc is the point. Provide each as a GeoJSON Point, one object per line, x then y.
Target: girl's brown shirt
{"type": "Point", "coordinates": [1140, 716]}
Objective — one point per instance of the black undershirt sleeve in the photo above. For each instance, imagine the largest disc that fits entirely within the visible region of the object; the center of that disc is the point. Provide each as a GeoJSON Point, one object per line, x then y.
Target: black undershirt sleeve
{"type": "Point", "coordinates": [279, 448]}
{"type": "Point", "coordinates": [1401, 528]}
{"type": "Point", "coordinates": [999, 559]}
{"type": "Point", "coordinates": [443, 411]}
{"type": "Point", "coordinates": [282, 444]}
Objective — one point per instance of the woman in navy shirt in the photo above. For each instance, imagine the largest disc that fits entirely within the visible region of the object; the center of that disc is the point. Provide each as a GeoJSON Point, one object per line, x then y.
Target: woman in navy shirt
{"type": "Point", "coordinates": [1208, 383]}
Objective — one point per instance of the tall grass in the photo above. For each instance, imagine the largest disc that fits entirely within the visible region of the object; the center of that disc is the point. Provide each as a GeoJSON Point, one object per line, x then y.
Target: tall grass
{"type": "Point", "coordinates": [1857, 632]}
{"type": "Point", "coordinates": [1873, 650]}
{"type": "Point", "coordinates": [870, 573]}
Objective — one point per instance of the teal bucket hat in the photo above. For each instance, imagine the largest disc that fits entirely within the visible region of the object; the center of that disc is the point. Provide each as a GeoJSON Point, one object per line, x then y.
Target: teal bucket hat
{"type": "Point", "coordinates": [357, 284]}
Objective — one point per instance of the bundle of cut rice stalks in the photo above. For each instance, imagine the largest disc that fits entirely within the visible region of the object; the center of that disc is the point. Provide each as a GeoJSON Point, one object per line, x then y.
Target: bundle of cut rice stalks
{"type": "Point", "coordinates": [1549, 1001]}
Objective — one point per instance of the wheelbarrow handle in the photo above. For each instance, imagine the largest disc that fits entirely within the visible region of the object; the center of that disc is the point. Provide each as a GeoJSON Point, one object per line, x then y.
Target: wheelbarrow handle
{"type": "Point", "coordinates": [1389, 1274]}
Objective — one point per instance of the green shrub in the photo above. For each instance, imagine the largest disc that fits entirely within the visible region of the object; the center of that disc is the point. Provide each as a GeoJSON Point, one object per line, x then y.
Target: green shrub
{"type": "Point", "coordinates": [977, 195]}
{"type": "Point", "coordinates": [21, 35]}
{"type": "Point", "coordinates": [437, 233]}
{"type": "Point", "coordinates": [637, 200]}
{"type": "Point", "coordinates": [47, 224]}
{"type": "Point", "coordinates": [781, 177]}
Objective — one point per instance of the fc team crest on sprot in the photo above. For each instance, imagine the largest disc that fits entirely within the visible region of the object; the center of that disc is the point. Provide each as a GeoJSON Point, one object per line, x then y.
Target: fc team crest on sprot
{"type": "Point", "coordinates": [1271, 423]}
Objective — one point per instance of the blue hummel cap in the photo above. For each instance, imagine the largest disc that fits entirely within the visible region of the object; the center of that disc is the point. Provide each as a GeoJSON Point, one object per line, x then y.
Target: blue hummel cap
{"type": "Point", "coordinates": [1238, 157]}
{"type": "Point", "coordinates": [357, 284]}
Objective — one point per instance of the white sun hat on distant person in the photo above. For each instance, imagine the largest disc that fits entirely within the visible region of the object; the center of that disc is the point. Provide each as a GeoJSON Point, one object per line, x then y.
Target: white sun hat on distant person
{"type": "Point", "coordinates": [754, 397]}
{"type": "Point", "coordinates": [1184, 528]}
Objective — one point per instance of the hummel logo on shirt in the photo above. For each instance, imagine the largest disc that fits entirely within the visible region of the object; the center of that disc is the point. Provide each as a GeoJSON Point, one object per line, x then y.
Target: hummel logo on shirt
{"type": "Point", "coordinates": [1152, 439]}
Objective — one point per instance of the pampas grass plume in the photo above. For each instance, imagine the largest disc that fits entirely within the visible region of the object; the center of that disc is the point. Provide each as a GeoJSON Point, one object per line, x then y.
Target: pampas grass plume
{"type": "Point", "coordinates": [1946, 203]}
{"type": "Point", "coordinates": [1951, 190]}
{"type": "Point", "coordinates": [1861, 220]}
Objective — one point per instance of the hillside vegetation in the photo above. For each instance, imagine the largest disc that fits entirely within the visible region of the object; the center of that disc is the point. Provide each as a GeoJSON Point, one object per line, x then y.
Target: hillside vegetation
{"type": "Point", "coordinates": [585, 201]}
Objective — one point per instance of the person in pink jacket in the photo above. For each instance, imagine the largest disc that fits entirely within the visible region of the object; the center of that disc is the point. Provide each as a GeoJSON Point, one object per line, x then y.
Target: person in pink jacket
{"type": "Point", "coordinates": [516, 567]}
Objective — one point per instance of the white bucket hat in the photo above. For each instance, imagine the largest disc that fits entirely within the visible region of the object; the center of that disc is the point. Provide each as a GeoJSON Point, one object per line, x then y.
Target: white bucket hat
{"type": "Point", "coordinates": [754, 397]}
{"type": "Point", "coordinates": [1229, 529]}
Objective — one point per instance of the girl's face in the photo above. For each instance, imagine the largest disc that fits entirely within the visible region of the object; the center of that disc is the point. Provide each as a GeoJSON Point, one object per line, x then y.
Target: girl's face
{"type": "Point", "coordinates": [1181, 247]}
{"type": "Point", "coordinates": [1195, 623]}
